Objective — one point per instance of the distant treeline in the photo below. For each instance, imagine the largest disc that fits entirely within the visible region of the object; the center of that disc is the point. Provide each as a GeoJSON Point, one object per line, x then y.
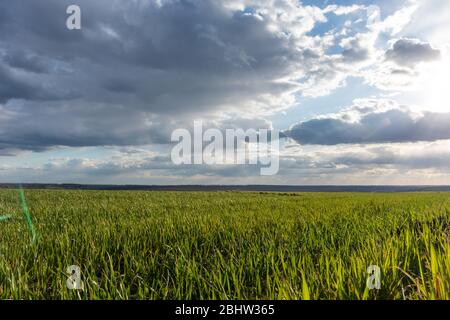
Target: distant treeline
{"type": "Point", "coordinates": [257, 188]}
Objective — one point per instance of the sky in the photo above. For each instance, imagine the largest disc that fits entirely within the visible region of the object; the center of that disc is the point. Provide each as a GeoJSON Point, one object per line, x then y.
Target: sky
{"type": "Point", "coordinates": [360, 89]}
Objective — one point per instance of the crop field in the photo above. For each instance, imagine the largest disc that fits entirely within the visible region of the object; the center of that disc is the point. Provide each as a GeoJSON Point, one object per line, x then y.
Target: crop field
{"type": "Point", "coordinates": [224, 245]}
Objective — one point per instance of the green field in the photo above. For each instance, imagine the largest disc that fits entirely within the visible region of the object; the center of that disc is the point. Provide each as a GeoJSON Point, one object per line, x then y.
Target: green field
{"type": "Point", "coordinates": [225, 245]}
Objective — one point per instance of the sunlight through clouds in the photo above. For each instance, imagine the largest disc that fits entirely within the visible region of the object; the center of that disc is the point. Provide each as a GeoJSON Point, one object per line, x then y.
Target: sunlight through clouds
{"type": "Point", "coordinates": [71, 101]}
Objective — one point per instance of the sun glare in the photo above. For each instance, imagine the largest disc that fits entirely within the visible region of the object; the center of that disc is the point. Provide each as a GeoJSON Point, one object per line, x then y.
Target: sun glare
{"type": "Point", "coordinates": [436, 87]}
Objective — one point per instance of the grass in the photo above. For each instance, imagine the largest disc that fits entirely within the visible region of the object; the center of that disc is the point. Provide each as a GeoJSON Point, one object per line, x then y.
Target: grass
{"type": "Point", "coordinates": [225, 245]}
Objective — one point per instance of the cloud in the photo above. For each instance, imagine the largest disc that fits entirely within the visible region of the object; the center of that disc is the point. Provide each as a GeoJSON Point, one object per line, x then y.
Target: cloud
{"type": "Point", "coordinates": [403, 66]}
{"type": "Point", "coordinates": [393, 163]}
{"type": "Point", "coordinates": [139, 69]}
{"type": "Point", "coordinates": [399, 20]}
{"type": "Point", "coordinates": [402, 163]}
{"type": "Point", "coordinates": [370, 122]}
{"type": "Point", "coordinates": [26, 62]}
{"type": "Point", "coordinates": [431, 21]}
{"type": "Point", "coordinates": [410, 52]}
{"type": "Point", "coordinates": [343, 10]}
{"type": "Point", "coordinates": [136, 69]}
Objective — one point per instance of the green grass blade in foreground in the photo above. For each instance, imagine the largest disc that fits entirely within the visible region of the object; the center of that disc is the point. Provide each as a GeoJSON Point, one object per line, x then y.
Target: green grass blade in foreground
{"type": "Point", "coordinates": [27, 214]}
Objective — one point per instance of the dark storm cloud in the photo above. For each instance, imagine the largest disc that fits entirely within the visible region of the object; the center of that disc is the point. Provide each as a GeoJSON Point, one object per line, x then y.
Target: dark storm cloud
{"type": "Point", "coordinates": [134, 69]}
{"type": "Point", "coordinates": [180, 55]}
{"type": "Point", "coordinates": [14, 86]}
{"type": "Point", "coordinates": [394, 125]}
{"type": "Point", "coordinates": [139, 69]}
{"type": "Point", "coordinates": [11, 87]}
{"type": "Point", "coordinates": [27, 62]}
{"type": "Point", "coordinates": [409, 52]}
